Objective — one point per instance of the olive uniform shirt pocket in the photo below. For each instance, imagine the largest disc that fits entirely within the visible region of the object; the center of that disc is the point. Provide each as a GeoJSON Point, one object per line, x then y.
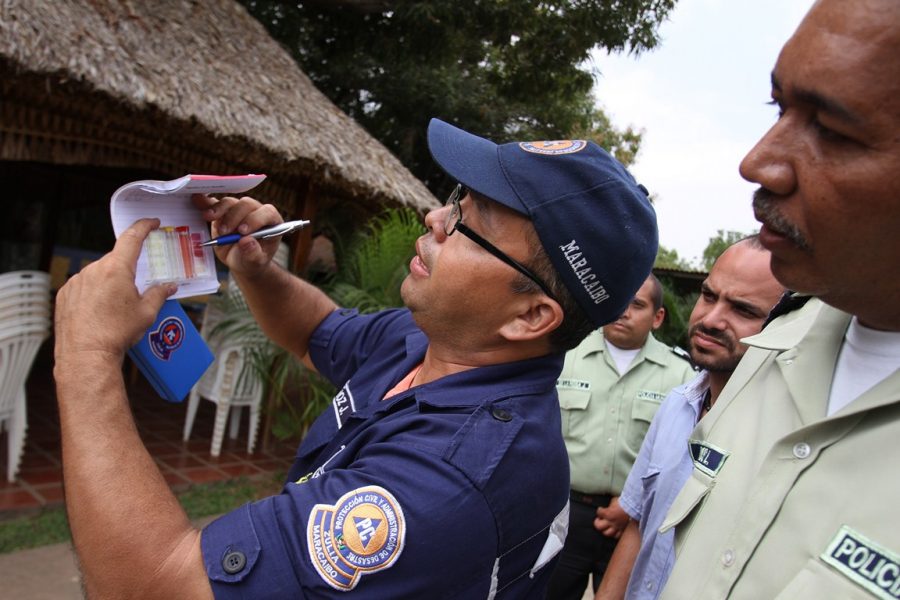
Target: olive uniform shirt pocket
{"type": "Point", "coordinates": [687, 502]}
{"type": "Point", "coordinates": [643, 408]}
{"type": "Point", "coordinates": [574, 402]}
{"type": "Point", "coordinates": [817, 580]}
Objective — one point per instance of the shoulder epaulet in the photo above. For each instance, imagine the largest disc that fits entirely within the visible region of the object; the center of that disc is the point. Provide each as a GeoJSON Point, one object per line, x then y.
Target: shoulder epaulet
{"type": "Point", "coordinates": [789, 302]}
{"type": "Point", "coordinates": [684, 355]}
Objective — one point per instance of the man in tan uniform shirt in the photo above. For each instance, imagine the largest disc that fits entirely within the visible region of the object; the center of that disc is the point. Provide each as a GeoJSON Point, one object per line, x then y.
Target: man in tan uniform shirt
{"type": "Point", "coordinates": [610, 387]}
{"type": "Point", "coordinates": [794, 491]}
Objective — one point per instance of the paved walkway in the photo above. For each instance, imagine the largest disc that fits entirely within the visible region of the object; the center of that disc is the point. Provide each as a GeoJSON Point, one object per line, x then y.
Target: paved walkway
{"type": "Point", "coordinates": [39, 481]}
{"type": "Point", "coordinates": [46, 573]}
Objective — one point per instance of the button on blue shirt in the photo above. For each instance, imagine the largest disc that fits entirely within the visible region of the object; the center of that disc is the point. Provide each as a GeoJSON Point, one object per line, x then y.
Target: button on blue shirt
{"type": "Point", "coordinates": [662, 466]}
{"type": "Point", "coordinates": [455, 488]}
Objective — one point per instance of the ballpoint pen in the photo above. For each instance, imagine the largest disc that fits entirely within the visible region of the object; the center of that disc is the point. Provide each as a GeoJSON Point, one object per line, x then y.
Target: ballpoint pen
{"type": "Point", "coordinates": [263, 234]}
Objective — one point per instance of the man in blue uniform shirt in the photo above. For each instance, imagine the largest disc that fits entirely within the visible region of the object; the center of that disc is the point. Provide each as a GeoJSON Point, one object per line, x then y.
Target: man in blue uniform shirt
{"type": "Point", "coordinates": [440, 470]}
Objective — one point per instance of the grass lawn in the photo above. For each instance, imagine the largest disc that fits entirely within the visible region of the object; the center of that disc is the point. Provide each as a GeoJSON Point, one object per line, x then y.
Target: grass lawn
{"type": "Point", "coordinates": [51, 527]}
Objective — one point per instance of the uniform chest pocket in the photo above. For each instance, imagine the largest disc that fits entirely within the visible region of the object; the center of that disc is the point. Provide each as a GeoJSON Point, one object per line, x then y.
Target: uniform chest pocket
{"type": "Point", "coordinates": [816, 580]}
{"type": "Point", "coordinates": [574, 404]}
{"type": "Point", "coordinates": [642, 411]}
{"type": "Point", "coordinates": [685, 505]}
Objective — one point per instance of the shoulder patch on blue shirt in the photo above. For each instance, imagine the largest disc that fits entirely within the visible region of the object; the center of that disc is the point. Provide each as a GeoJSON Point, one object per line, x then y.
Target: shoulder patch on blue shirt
{"type": "Point", "coordinates": [343, 404]}
{"type": "Point", "coordinates": [707, 457]}
{"type": "Point", "coordinates": [363, 532]}
{"type": "Point", "coordinates": [865, 563]}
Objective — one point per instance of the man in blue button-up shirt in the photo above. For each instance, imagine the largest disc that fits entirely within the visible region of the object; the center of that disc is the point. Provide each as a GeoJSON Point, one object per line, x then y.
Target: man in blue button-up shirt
{"type": "Point", "coordinates": [440, 470]}
{"type": "Point", "coordinates": [734, 301]}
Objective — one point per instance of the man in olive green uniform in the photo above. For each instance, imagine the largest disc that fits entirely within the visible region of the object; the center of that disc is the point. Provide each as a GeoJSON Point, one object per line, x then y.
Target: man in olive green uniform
{"type": "Point", "coordinates": [794, 491]}
{"type": "Point", "coordinates": [609, 390]}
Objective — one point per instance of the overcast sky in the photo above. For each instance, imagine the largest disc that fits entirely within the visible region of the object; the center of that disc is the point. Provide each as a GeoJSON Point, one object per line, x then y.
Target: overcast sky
{"type": "Point", "coordinates": [700, 98]}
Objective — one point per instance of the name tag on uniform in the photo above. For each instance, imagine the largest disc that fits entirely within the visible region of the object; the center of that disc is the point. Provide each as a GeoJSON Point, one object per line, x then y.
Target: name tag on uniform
{"type": "Point", "coordinates": [707, 457]}
{"type": "Point", "coordinates": [865, 563]}
{"type": "Point", "coordinates": [573, 384]}
{"type": "Point", "coordinates": [649, 395]}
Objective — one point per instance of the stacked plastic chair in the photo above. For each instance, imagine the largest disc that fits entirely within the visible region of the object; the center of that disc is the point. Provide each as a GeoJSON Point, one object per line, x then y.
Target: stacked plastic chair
{"type": "Point", "coordinates": [230, 381]}
{"type": "Point", "coordinates": [24, 325]}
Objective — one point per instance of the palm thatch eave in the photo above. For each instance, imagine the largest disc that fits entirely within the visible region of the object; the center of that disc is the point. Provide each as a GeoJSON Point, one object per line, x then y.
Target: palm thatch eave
{"type": "Point", "coordinates": [191, 77]}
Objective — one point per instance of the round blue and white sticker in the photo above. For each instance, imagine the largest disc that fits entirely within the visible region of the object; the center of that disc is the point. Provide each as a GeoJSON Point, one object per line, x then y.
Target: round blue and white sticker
{"type": "Point", "coordinates": [362, 533]}
{"type": "Point", "coordinates": [167, 338]}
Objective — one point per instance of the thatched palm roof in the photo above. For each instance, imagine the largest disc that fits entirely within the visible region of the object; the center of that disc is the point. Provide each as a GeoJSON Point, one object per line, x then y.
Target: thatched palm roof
{"type": "Point", "coordinates": [166, 84]}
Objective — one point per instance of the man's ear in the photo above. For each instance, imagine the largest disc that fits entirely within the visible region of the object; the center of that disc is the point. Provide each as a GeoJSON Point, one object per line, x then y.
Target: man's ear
{"type": "Point", "coordinates": [537, 317]}
{"type": "Point", "coordinates": [658, 318]}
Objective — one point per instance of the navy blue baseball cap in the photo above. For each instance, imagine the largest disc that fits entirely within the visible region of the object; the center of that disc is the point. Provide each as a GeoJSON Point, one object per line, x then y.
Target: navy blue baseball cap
{"type": "Point", "coordinates": [594, 221]}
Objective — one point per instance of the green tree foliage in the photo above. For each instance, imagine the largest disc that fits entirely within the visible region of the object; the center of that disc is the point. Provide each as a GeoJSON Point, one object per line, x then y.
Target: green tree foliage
{"type": "Point", "coordinates": [375, 262]}
{"type": "Point", "coordinates": [667, 258]}
{"type": "Point", "coordinates": [718, 244]}
{"type": "Point", "coordinates": [504, 69]}
{"type": "Point", "coordinates": [678, 311]}
{"type": "Point", "coordinates": [678, 306]}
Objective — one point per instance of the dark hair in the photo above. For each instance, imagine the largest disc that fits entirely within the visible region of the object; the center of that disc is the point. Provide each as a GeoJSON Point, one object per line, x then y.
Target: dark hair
{"type": "Point", "coordinates": [575, 325]}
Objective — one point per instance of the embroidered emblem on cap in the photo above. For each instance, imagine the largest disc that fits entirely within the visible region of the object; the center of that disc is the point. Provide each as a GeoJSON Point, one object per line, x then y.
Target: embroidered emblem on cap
{"type": "Point", "coordinates": [864, 562]}
{"type": "Point", "coordinates": [553, 147]}
{"type": "Point", "coordinates": [363, 532]}
{"type": "Point", "coordinates": [707, 457]}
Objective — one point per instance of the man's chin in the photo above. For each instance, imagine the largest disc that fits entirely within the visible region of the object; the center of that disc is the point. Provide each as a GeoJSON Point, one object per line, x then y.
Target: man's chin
{"type": "Point", "coordinates": [725, 364]}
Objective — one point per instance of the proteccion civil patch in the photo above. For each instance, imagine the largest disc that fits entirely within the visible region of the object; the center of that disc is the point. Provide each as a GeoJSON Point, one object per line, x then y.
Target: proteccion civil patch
{"type": "Point", "coordinates": [363, 532]}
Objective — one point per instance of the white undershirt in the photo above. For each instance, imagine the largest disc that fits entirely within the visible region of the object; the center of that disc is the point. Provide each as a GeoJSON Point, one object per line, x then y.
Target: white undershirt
{"type": "Point", "coordinates": [867, 356]}
{"type": "Point", "coordinates": [622, 358]}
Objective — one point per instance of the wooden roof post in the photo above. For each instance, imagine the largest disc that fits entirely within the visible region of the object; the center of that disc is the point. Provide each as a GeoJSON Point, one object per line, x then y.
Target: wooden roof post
{"type": "Point", "coordinates": [302, 244]}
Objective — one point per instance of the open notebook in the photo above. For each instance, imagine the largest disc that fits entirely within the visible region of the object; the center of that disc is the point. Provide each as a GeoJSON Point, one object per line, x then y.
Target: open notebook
{"type": "Point", "coordinates": [171, 252]}
{"type": "Point", "coordinates": [171, 354]}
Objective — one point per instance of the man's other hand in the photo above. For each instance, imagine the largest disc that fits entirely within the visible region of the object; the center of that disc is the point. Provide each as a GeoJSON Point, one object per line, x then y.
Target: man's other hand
{"type": "Point", "coordinates": [99, 311]}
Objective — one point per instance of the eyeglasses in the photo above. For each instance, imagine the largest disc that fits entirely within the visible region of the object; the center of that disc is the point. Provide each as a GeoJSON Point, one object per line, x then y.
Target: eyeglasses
{"type": "Point", "coordinates": [454, 223]}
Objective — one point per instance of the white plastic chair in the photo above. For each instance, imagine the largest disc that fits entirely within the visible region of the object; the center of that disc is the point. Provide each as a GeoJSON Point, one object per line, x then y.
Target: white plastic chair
{"type": "Point", "coordinates": [229, 381]}
{"type": "Point", "coordinates": [24, 325]}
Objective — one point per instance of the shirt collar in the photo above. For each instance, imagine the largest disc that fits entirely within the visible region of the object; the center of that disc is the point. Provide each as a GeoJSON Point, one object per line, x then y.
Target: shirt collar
{"type": "Point", "coordinates": [475, 386]}
{"type": "Point", "coordinates": [695, 390]}
{"type": "Point", "coordinates": [789, 330]}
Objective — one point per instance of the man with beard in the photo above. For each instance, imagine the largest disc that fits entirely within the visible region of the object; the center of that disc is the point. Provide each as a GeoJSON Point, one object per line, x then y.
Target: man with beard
{"type": "Point", "coordinates": [439, 470]}
{"type": "Point", "coordinates": [733, 304]}
{"type": "Point", "coordinates": [794, 491]}
{"type": "Point", "coordinates": [610, 388]}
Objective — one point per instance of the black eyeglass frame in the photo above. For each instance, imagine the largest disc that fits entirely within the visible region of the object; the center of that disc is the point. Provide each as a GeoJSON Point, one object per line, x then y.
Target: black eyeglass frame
{"type": "Point", "coordinates": [454, 223]}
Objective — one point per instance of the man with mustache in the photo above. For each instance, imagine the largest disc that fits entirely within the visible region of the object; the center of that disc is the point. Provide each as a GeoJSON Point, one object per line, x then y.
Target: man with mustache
{"type": "Point", "coordinates": [439, 470]}
{"type": "Point", "coordinates": [734, 301]}
{"type": "Point", "coordinates": [793, 492]}
{"type": "Point", "coordinates": [610, 388]}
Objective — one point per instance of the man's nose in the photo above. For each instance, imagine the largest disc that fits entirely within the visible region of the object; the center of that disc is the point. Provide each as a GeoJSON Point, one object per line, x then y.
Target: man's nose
{"type": "Point", "coordinates": [715, 318]}
{"type": "Point", "coordinates": [434, 222]}
{"type": "Point", "coordinates": [769, 162]}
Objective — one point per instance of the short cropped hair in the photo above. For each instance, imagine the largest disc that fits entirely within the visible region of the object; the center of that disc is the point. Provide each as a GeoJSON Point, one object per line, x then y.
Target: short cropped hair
{"type": "Point", "coordinates": [575, 325]}
{"type": "Point", "coordinates": [656, 294]}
